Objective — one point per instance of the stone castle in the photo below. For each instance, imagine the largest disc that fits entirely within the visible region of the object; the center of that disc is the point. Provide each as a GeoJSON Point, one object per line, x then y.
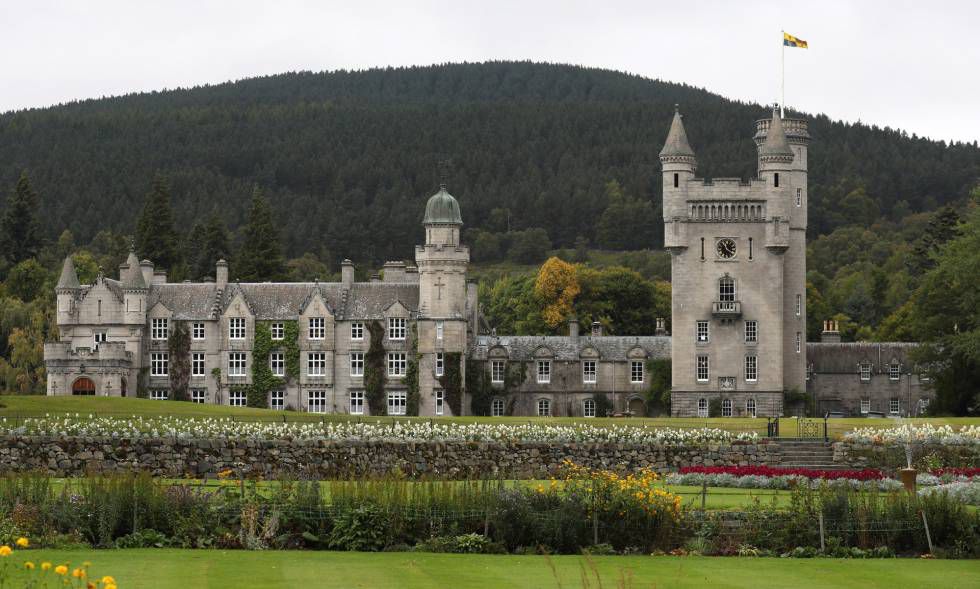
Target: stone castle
{"type": "Point", "coordinates": [738, 261]}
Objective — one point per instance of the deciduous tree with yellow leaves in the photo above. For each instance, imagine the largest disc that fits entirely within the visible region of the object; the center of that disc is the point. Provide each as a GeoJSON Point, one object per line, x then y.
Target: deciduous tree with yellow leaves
{"type": "Point", "coordinates": [556, 286]}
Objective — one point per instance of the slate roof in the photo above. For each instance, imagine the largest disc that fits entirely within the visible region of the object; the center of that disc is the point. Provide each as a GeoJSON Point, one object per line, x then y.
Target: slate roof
{"type": "Point", "coordinates": [131, 276]}
{"type": "Point", "coordinates": [68, 278]}
{"type": "Point", "coordinates": [676, 143]}
{"type": "Point", "coordinates": [776, 143]}
{"type": "Point", "coordinates": [844, 358]}
{"type": "Point", "coordinates": [283, 300]}
{"type": "Point", "coordinates": [610, 347]}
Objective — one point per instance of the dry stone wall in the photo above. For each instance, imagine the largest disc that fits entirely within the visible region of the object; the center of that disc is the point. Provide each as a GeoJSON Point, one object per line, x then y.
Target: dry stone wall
{"type": "Point", "coordinates": [169, 457]}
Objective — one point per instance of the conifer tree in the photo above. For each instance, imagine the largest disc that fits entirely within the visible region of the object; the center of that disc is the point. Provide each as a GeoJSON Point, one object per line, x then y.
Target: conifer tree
{"type": "Point", "coordinates": [20, 229]}
{"type": "Point", "coordinates": [156, 237]}
{"type": "Point", "coordinates": [208, 242]}
{"type": "Point", "coordinates": [260, 257]}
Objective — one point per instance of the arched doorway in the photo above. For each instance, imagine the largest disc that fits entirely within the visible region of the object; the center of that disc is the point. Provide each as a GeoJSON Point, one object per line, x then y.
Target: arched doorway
{"type": "Point", "coordinates": [637, 407]}
{"type": "Point", "coordinates": [83, 386]}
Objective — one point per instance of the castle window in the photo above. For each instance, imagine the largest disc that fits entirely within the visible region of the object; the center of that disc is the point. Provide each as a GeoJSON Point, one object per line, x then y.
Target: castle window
{"type": "Point", "coordinates": [497, 408]}
{"type": "Point", "coordinates": [236, 328]}
{"type": "Point", "coordinates": [726, 408]}
{"type": "Point", "coordinates": [397, 402]}
{"type": "Point", "coordinates": [677, 180]}
{"type": "Point", "coordinates": [159, 395]}
{"type": "Point", "coordinates": [588, 372]}
{"type": "Point", "coordinates": [799, 342]}
{"type": "Point", "coordinates": [159, 364]}
{"type": "Point", "coordinates": [159, 328]}
{"type": "Point", "coordinates": [636, 371]}
{"type": "Point", "coordinates": [440, 402]}
{"type": "Point", "coordinates": [544, 371]}
{"type": "Point", "coordinates": [440, 329]}
{"type": "Point", "coordinates": [544, 407]}
{"type": "Point", "coordinates": [702, 407]}
{"type": "Point", "coordinates": [865, 369]}
{"type": "Point", "coordinates": [278, 331]}
{"type": "Point", "coordinates": [588, 408]}
{"type": "Point", "coordinates": [702, 369]}
{"type": "Point", "coordinates": [396, 364]}
{"type": "Point", "coordinates": [799, 305]}
{"type": "Point", "coordinates": [865, 405]}
{"type": "Point", "coordinates": [497, 371]}
{"type": "Point", "coordinates": [197, 364]}
{"type": "Point", "coordinates": [440, 364]}
{"type": "Point", "coordinates": [100, 338]}
{"type": "Point", "coordinates": [236, 398]}
{"type": "Point", "coordinates": [277, 400]}
{"type": "Point", "coordinates": [199, 396]}
{"type": "Point", "coordinates": [357, 363]}
{"type": "Point", "coordinates": [894, 371]}
{"type": "Point", "coordinates": [799, 197]}
{"type": "Point", "coordinates": [809, 370]}
{"type": "Point", "coordinates": [316, 401]}
{"type": "Point", "coordinates": [726, 289]}
{"type": "Point", "coordinates": [357, 331]}
{"type": "Point", "coordinates": [701, 334]}
{"type": "Point", "coordinates": [236, 364]}
{"type": "Point", "coordinates": [277, 364]}
{"type": "Point", "coordinates": [702, 249]}
{"type": "Point", "coordinates": [750, 248]}
{"type": "Point", "coordinates": [318, 328]}
{"type": "Point", "coordinates": [396, 328]}
{"type": "Point", "coordinates": [894, 406]}
{"type": "Point", "coordinates": [356, 403]}
{"type": "Point", "coordinates": [197, 331]}
{"type": "Point", "coordinates": [776, 179]}
{"type": "Point", "coordinates": [750, 407]}
{"type": "Point", "coordinates": [751, 331]}
{"type": "Point", "coordinates": [751, 368]}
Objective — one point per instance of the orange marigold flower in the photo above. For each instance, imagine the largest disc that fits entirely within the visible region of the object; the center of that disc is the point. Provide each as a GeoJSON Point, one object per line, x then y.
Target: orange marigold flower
{"type": "Point", "coordinates": [78, 573]}
{"type": "Point", "coordinates": [5, 550]}
{"type": "Point", "coordinates": [29, 565]}
{"type": "Point", "coordinates": [61, 569]}
{"type": "Point", "coordinates": [23, 542]}
{"type": "Point", "coordinates": [45, 566]}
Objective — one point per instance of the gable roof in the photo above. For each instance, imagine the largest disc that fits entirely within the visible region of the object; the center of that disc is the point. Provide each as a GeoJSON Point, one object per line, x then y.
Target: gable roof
{"type": "Point", "coordinates": [844, 358]}
{"type": "Point", "coordinates": [610, 347]}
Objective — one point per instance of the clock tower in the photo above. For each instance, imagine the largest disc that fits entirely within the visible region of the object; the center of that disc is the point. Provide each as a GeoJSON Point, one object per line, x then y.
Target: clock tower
{"type": "Point", "coordinates": [738, 269]}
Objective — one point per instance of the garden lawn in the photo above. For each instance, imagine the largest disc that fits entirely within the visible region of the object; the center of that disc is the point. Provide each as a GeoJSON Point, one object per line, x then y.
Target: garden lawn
{"type": "Point", "coordinates": [14, 407]}
{"type": "Point", "coordinates": [191, 569]}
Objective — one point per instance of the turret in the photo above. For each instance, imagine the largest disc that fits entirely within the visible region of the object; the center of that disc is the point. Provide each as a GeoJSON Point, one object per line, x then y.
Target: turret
{"type": "Point", "coordinates": [442, 260]}
{"type": "Point", "coordinates": [679, 163]}
{"type": "Point", "coordinates": [784, 151]}
{"type": "Point", "coordinates": [134, 290]}
{"type": "Point", "coordinates": [442, 219]}
{"type": "Point", "coordinates": [66, 291]}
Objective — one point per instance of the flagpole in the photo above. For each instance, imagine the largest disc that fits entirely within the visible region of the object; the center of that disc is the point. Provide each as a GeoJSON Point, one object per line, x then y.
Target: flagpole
{"type": "Point", "coordinates": [782, 104]}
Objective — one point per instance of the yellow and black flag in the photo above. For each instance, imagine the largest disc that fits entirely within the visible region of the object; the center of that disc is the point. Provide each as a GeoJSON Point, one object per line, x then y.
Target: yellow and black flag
{"type": "Point", "coordinates": [791, 41]}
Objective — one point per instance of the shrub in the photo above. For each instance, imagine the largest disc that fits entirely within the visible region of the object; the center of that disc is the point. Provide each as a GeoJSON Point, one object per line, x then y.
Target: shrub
{"type": "Point", "coordinates": [363, 528]}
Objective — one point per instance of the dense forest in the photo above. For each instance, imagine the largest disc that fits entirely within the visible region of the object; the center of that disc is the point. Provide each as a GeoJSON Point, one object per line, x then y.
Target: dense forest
{"type": "Point", "coordinates": [285, 175]}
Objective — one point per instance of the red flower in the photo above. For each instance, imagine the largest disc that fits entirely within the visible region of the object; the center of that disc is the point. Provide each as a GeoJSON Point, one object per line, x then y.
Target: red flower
{"type": "Point", "coordinates": [968, 472]}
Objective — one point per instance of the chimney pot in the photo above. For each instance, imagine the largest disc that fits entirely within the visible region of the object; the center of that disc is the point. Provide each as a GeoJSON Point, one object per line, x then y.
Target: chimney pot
{"type": "Point", "coordinates": [347, 273]}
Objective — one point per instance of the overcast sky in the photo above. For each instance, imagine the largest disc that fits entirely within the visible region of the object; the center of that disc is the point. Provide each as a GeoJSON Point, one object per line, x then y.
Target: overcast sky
{"type": "Point", "coordinates": [911, 65]}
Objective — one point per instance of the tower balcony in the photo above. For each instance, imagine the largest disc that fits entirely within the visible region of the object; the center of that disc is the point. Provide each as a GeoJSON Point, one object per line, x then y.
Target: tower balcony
{"type": "Point", "coordinates": [726, 309]}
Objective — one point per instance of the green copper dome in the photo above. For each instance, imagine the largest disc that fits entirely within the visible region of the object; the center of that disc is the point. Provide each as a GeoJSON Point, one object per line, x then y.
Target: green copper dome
{"type": "Point", "coordinates": [442, 208]}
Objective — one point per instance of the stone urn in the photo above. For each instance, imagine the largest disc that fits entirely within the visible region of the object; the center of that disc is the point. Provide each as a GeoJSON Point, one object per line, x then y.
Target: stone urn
{"type": "Point", "coordinates": [907, 476]}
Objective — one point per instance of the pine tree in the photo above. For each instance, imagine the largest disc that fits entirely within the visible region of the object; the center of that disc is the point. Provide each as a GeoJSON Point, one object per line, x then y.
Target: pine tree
{"type": "Point", "coordinates": [20, 229]}
{"type": "Point", "coordinates": [156, 237]}
{"type": "Point", "coordinates": [207, 243]}
{"type": "Point", "coordinates": [260, 258]}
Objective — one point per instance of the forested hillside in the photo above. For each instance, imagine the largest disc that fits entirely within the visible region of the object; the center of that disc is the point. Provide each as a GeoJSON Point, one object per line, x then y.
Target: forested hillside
{"type": "Point", "coordinates": [347, 159]}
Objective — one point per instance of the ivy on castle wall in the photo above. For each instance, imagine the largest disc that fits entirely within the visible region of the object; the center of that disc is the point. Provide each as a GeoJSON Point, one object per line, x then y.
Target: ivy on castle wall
{"type": "Point", "coordinates": [374, 370]}
{"type": "Point", "coordinates": [481, 389]}
{"type": "Point", "coordinates": [413, 398]}
{"type": "Point", "coordinates": [263, 381]}
{"type": "Point", "coordinates": [141, 389]}
{"type": "Point", "coordinates": [179, 347]}
{"type": "Point", "coordinates": [452, 381]}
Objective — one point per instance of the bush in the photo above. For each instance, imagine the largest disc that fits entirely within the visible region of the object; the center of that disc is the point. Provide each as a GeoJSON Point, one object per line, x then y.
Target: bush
{"type": "Point", "coordinates": [363, 529]}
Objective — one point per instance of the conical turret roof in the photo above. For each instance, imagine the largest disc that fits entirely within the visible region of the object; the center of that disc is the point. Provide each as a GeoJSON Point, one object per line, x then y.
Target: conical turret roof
{"type": "Point", "coordinates": [677, 144]}
{"type": "Point", "coordinates": [132, 276]}
{"type": "Point", "coordinates": [776, 143]}
{"type": "Point", "coordinates": [69, 278]}
{"type": "Point", "coordinates": [442, 208]}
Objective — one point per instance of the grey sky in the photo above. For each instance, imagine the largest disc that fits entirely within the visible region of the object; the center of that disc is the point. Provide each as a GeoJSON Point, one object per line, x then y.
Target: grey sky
{"type": "Point", "coordinates": [911, 65]}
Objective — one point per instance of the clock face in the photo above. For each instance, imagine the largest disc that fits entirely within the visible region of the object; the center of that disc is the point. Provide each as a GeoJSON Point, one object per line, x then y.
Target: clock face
{"type": "Point", "coordinates": [726, 248]}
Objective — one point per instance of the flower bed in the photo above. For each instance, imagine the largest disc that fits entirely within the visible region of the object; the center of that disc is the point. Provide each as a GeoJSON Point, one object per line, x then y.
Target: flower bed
{"type": "Point", "coordinates": [867, 474]}
{"type": "Point", "coordinates": [917, 434]}
{"type": "Point", "coordinates": [966, 492]}
{"type": "Point", "coordinates": [400, 431]}
{"type": "Point", "coordinates": [767, 477]}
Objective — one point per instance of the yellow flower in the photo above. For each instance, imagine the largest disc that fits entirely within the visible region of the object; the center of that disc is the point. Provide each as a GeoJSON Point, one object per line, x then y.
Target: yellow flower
{"type": "Point", "coordinates": [107, 580]}
{"type": "Point", "coordinates": [61, 569]}
{"type": "Point", "coordinates": [78, 573]}
{"type": "Point", "coordinates": [29, 565]}
{"type": "Point", "coordinates": [5, 550]}
{"type": "Point", "coordinates": [23, 542]}
{"type": "Point", "coordinates": [45, 566]}
{"type": "Point", "coordinates": [109, 586]}
{"type": "Point", "coordinates": [90, 585]}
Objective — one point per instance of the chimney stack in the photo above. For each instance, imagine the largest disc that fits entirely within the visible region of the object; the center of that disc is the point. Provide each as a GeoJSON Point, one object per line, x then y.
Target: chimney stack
{"type": "Point", "coordinates": [347, 273]}
{"type": "Point", "coordinates": [221, 274]}
{"type": "Point", "coordinates": [573, 330]}
{"type": "Point", "coordinates": [394, 272]}
{"type": "Point", "coordinates": [596, 329]}
{"type": "Point", "coordinates": [146, 267]}
{"type": "Point", "coordinates": [830, 334]}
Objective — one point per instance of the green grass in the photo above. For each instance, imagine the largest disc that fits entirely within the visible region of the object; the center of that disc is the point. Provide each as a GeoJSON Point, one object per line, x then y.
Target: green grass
{"type": "Point", "coordinates": [19, 406]}
{"type": "Point", "coordinates": [190, 569]}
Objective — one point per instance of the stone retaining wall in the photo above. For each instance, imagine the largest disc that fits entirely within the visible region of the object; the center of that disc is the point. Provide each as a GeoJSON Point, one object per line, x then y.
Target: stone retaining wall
{"type": "Point", "coordinates": [170, 457]}
{"type": "Point", "coordinates": [860, 455]}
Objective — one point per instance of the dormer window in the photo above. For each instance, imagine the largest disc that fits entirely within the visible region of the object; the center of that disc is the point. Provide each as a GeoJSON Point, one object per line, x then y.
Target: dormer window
{"type": "Point", "coordinates": [396, 328]}
{"type": "Point", "coordinates": [894, 371]}
{"type": "Point", "coordinates": [159, 328]}
{"type": "Point", "coordinates": [236, 328]}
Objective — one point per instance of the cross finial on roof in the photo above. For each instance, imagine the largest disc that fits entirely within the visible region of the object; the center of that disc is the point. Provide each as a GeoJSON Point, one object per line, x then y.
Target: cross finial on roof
{"type": "Point", "coordinates": [443, 165]}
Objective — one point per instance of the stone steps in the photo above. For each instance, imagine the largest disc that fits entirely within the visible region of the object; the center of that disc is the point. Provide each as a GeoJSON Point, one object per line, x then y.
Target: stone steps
{"type": "Point", "coordinates": [813, 454]}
